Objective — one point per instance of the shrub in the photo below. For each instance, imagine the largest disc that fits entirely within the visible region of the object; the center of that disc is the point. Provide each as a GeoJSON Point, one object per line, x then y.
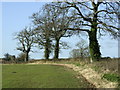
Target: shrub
{"type": "Point", "coordinates": [112, 77]}
{"type": "Point", "coordinates": [77, 64]}
{"type": "Point", "coordinates": [21, 57]}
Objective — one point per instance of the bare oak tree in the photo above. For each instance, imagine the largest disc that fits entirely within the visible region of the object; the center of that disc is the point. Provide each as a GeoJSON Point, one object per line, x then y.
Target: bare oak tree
{"type": "Point", "coordinates": [25, 41]}
{"type": "Point", "coordinates": [43, 30]}
{"type": "Point", "coordinates": [82, 50]}
{"type": "Point", "coordinates": [60, 20]}
{"type": "Point", "coordinates": [51, 22]}
{"type": "Point", "coordinates": [93, 17]}
{"type": "Point", "coordinates": [43, 39]}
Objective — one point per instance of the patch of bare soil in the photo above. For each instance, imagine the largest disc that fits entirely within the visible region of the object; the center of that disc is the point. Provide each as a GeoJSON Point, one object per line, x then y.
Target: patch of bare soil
{"type": "Point", "coordinates": [91, 76]}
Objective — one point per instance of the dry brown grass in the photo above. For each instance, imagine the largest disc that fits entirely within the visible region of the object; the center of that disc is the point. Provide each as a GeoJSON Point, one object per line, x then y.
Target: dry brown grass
{"type": "Point", "coordinates": [104, 65]}
{"type": "Point", "coordinates": [110, 65]}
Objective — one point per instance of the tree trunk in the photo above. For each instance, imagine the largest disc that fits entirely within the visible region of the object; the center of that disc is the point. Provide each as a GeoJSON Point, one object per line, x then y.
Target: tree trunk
{"type": "Point", "coordinates": [93, 45]}
{"type": "Point", "coordinates": [26, 56]}
{"type": "Point", "coordinates": [93, 42]}
{"type": "Point", "coordinates": [47, 51]}
{"type": "Point", "coordinates": [56, 56]}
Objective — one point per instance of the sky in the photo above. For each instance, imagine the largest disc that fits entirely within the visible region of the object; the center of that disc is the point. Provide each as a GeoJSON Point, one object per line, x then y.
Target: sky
{"type": "Point", "coordinates": [15, 16]}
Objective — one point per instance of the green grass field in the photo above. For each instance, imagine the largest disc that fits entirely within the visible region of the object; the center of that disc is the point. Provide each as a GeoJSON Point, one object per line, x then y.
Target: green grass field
{"type": "Point", "coordinates": [41, 76]}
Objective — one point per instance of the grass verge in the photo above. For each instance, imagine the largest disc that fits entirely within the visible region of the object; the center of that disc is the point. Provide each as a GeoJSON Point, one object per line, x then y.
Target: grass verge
{"type": "Point", "coordinates": [41, 76]}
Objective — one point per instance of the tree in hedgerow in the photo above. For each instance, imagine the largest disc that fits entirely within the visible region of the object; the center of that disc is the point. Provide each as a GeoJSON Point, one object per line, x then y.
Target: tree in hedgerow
{"type": "Point", "coordinates": [82, 50]}
{"type": "Point", "coordinates": [93, 17]}
{"type": "Point", "coordinates": [50, 24]}
{"type": "Point", "coordinates": [21, 57]}
{"type": "Point", "coordinates": [25, 41]}
{"type": "Point", "coordinates": [43, 31]}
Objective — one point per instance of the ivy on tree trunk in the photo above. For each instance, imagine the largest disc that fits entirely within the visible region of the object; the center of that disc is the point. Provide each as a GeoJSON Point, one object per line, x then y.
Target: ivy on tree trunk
{"type": "Point", "coordinates": [94, 45]}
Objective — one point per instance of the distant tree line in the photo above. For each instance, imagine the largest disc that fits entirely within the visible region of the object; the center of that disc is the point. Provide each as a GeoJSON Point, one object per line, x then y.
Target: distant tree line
{"type": "Point", "coordinates": [8, 57]}
{"type": "Point", "coordinates": [12, 58]}
{"type": "Point", "coordinates": [59, 20]}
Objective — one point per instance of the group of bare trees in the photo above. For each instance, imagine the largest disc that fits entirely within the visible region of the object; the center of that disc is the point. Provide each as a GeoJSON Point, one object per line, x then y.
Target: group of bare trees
{"type": "Point", "coordinates": [64, 19]}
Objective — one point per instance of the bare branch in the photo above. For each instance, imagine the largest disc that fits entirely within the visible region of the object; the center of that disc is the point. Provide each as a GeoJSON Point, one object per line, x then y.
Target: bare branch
{"type": "Point", "coordinates": [104, 24]}
{"type": "Point", "coordinates": [105, 11]}
{"type": "Point", "coordinates": [85, 5]}
{"type": "Point", "coordinates": [77, 8]}
{"type": "Point", "coordinates": [86, 30]}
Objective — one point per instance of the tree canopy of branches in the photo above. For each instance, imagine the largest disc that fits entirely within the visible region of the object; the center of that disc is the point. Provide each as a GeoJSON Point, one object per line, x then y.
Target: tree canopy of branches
{"type": "Point", "coordinates": [93, 17]}
{"type": "Point", "coordinates": [43, 31]}
{"type": "Point", "coordinates": [25, 40]}
{"type": "Point", "coordinates": [60, 21]}
{"type": "Point", "coordinates": [50, 23]}
{"type": "Point", "coordinates": [44, 40]}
